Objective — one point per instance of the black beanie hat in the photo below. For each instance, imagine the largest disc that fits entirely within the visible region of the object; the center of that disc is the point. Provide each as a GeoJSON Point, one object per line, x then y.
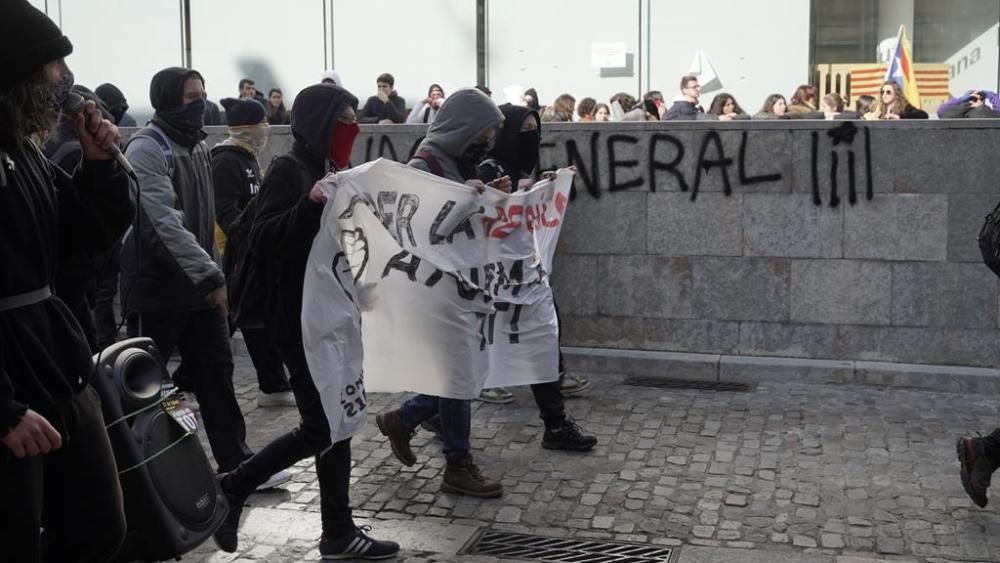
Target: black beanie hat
{"type": "Point", "coordinates": [166, 91]}
{"type": "Point", "coordinates": [29, 40]}
{"type": "Point", "coordinates": [245, 111]}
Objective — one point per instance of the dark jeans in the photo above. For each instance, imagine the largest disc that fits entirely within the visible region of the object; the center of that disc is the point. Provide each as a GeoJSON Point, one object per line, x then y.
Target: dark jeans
{"type": "Point", "coordinates": [104, 298]}
{"type": "Point", "coordinates": [202, 338]}
{"type": "Point", "coordinates": [266, 360]}
{"type": "Point", "coordinates": [456, 421]}
{"type": "Point", "coordinates": [312, 437]}
{"type": "Point", "coordinates": [72, 492]}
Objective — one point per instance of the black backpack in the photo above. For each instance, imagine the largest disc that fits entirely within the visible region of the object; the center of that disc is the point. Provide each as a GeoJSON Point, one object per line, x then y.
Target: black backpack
{"type": "Point", "coordinates": [247, 281]}
{"type": "Point", "coordinates": [989, 240]}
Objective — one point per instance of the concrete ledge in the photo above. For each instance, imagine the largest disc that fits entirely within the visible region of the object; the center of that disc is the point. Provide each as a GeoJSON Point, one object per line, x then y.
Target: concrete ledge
{"type": "Point", "coordinates": [751, 369]}
{"type": "Point", "coordinates": [754, 369]}
{"type": "Point", "coordinates": [954, 379]}
{"type": "Point", "coordinates": [672, 365]}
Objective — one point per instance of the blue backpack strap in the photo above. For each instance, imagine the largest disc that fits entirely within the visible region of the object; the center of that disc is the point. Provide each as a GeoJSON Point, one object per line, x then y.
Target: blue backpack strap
{"type": "Point", "coordinates": [154, 134]}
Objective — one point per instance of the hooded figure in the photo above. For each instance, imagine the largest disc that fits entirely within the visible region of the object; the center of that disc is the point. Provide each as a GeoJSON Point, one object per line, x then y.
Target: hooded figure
{"type": "Point", "coordinates": [181, 122]}
{"type": "Point", "coordinates": [453, 140]}
{"type": "Point", "coordinates": [515, 152]}
{"type": "Point", "coordinates": [287, 220]}
{"type": "Point", "coordinates": [116, 103]}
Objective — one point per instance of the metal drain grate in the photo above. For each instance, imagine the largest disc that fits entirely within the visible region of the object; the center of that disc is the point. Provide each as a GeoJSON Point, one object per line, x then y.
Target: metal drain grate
{"type": "Point", "coordinates": [640, 381]}
{"type": "Point", "coordinates": [563, 550]}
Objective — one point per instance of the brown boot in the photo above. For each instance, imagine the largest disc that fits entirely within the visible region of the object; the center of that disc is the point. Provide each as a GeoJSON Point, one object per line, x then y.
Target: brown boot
{"type": "Point", "coordinates": [390, 424]}
{"type": "Point", "coordinates": [463, 477]}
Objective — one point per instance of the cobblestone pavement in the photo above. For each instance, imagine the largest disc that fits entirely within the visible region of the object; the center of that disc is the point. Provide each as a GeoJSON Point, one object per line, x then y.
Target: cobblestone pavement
{"type": "Point", "coordinates": [783, 472]}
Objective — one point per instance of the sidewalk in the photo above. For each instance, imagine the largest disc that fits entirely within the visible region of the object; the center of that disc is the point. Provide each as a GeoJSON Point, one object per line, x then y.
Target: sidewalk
{"type": "Point", "coordinates": [781, 473]}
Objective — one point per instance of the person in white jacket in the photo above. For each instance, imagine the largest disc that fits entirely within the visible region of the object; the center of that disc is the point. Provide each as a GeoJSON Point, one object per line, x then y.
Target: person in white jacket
{"type": "Point", "coordinates": [426, 110]}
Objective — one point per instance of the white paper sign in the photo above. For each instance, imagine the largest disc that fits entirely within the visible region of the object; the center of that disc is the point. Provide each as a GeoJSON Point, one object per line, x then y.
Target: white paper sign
{"type": "Point", "coordinates": [607, 55]}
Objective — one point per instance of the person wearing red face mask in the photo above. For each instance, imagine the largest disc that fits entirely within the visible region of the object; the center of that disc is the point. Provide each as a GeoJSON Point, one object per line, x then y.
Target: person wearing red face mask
{"type": "Point", "coordinates": [289, 210]}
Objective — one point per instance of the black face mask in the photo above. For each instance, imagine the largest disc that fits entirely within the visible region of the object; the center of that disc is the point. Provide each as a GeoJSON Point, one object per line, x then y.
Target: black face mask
{"type": "Point", "coordinates": [527, 149]}
{"type": "Point", "coordinates": [476, 152]}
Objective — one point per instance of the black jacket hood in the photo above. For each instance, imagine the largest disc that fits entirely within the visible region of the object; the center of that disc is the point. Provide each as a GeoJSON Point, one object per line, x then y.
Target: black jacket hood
{"type": "Point", "coordinates": [506, 147]}
{"type": "Point", "coordinates": [166, 91]}
{"type": "Point", "coordinates": [314, 115]}
{"type": "Point", "coordinates": [110, 95]}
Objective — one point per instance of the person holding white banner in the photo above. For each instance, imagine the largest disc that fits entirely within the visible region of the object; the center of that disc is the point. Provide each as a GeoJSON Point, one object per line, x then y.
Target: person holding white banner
{"type": "Point", "coordinates": [291, 205]}
{"type": "Point", "coordinates": [455, 144]}
{"type": "Point", "coordinates": [515, 154]}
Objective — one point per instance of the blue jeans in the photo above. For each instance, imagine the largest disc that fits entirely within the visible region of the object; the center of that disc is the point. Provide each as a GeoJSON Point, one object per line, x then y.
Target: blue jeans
{"type": "Point", "coordinates": [456, 421]}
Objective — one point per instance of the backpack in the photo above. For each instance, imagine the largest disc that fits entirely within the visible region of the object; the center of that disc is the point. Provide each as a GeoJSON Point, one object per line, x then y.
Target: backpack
{"type": "Point", "coordinates": [154, 134]}
{"type": "Point", "coordinates": [247, 281]}
{"type": "Point", "coordinates": [989, 240]}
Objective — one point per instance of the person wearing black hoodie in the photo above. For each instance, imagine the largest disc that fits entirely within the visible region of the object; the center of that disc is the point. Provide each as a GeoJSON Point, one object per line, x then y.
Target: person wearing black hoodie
{"type": "Point", "coordinates": [324, 126]}
{"type": "Point", "coordinates": [236, 174]}
{"type": "Point", "coordinates": [515, 154]}
{"type": "Point", "coordinates": [177, 294]}
{"type": "Point", "coordinates": [56, 464]}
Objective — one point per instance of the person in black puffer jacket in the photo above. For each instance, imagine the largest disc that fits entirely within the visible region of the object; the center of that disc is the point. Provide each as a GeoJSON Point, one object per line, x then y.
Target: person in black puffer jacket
{"type": "Point", "coordinates": [288, 217]}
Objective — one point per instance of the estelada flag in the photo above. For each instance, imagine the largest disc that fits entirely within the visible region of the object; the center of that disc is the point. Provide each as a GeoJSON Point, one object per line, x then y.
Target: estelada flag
{"type": "Point", "coordinates": [901, 69]}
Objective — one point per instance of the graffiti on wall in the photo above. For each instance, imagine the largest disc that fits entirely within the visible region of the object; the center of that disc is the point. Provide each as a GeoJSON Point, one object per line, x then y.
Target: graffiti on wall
{"type": "Point", "coordinates": [652, 160]}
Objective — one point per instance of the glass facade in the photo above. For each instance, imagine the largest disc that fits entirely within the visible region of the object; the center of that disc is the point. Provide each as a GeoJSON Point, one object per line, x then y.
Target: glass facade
{"type": "Point", "coordinates": [750, 48]}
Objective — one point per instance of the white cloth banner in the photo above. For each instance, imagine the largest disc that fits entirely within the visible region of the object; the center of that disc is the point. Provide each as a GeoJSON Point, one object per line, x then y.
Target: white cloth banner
{"type": "Point", "coordinates": [426, 285]}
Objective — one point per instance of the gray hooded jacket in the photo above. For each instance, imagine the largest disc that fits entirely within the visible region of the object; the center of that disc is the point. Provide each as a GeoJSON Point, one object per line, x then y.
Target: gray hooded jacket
{"type": "Point", "coordinates": [464, 116]}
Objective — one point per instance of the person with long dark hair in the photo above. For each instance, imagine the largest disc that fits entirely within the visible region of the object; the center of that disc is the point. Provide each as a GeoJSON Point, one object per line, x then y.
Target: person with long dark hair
{"type": "Point", "coordinates": [774, 107]}
{"type": "Point", "coordinates": [57, 469]}
{"type": "Point", "coordinates": [725, 108]}
{"type": "Point", "coordinates": [892, 104]}
{"type": "Point", "coordinates": [276, 112]}
{"type": "Point", "coordinates": [803, 100]}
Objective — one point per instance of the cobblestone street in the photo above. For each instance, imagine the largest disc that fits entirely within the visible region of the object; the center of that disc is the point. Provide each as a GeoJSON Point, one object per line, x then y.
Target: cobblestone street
{"type": "Point", "coordinates": [783, 472]}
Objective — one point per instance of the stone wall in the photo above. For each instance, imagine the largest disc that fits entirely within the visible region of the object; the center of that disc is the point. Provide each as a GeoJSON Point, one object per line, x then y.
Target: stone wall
{"type": "Point", "coordinates": [812, 240]}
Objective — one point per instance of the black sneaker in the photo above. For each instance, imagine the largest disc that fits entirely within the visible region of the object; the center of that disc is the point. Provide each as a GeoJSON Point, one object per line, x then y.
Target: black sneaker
{"type": "Point", "coordinates": [567, 436]}
{"type": "Point", "coordinates": [357, 545]}
{"type": "Point", "coordinates": [225, 536]}
{"type": "Point", "coordinates": [976, 469]}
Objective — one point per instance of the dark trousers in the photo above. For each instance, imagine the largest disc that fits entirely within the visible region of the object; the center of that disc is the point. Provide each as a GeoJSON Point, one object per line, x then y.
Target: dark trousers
{"type": "Point", "coordinates": [549, 398]}
{"type": "Point", "coordinates": [73, 493]}
{"type": "Point", "coordinates": [266, 360]}
{"type": "Point", "coordinates": [455, 416]}
{"type": "Point", "coordinates": [202, 338]}
{"type": "Point", "coordinates": [311, 437]}
{"type": "Point", "coordinates": [104, 298]}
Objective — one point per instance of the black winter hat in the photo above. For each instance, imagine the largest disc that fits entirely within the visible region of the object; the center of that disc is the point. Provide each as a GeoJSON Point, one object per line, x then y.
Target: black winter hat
{"type": "Point", "coordinates": [245, 111]}
{"type": "Point", "coordinates": [166, 90]}
{"type": "Point", "coordinates": [29, 40]}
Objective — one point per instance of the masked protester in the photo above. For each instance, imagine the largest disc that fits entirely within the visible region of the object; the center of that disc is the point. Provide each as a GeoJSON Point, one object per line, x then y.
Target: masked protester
{"type": "Point", "coordinates": [456, 143]}
{"type": "Point", "coordinates": [515, 154]}
{"type": "Point", "coordinates": [236, 175]}
{"type": "Point", "coordinates": [289, 209]}
{"type": "Point", "coordinates": [56, 464]}
{"type": "Point", "coordinates": [177, 294]}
